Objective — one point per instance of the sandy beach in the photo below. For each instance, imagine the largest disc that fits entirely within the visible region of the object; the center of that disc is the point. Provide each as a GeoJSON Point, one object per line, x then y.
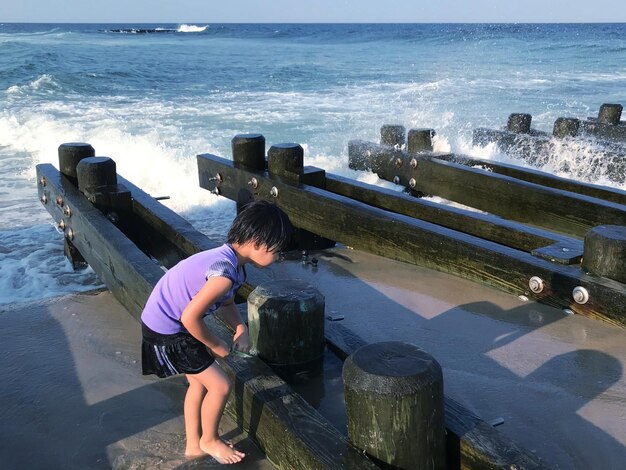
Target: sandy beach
{"type": "Point", "coordinates": [73, 396]}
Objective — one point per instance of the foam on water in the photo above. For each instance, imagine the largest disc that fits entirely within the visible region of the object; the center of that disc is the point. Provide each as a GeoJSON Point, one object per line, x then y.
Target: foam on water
{"type": "Point", "coordinates": [190, 28]}
{"type": "Point", "coordinates": [32, 266]}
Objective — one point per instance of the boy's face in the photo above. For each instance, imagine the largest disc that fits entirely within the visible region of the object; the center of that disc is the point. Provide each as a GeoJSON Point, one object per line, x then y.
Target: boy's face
{"type": "Point", "coordinates": [262, 257]}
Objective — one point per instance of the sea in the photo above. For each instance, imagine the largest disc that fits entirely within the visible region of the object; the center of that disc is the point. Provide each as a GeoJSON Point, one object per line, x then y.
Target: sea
{"type": "Point", "coordinates": [153, 96]}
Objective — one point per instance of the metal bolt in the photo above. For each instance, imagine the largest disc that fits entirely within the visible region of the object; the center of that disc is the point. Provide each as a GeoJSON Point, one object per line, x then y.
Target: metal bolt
{"type": "Point", "coordinates": [44, 199]}
{"type": "Point", "coordinates": [398, 162]}
{"type": "Point", "coordinates": [217, 178]}
{"type": "Point", "coordinates": [60, 200]}
{"type": "Point", "coordinates": [70, 234]}
{"type": "Point", "coordinates": [412, 182]}
{"type": "Point", "coordinates": [67, 211]}
{"type": "Point", "coordinates": [274, 191]}
{"type": "Point", "coordinates": [580, 295]}
{"type": "Point", "coordinates": [113, 217]}
{"type": "Point", "coordinates": [254, 183]}
{"type": "Point", "coordinates": [62, 224]}
{"type": "Point", "coordinates": [42, 181]}
{"type": "Point", "coordinates": [396, 180]}
{"type": "Point", "coordinates": [536, 284]}
{"type": "Point", "coordinates": [216, 191]}
{"type": "Point", "coordinates": [413, 163]}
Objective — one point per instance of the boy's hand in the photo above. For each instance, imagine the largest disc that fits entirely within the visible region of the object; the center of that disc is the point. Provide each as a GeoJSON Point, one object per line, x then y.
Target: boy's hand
{"type": "Point", "coordinates": [241, 340]}
{"type": "Point", "coordinates": [221, 349]}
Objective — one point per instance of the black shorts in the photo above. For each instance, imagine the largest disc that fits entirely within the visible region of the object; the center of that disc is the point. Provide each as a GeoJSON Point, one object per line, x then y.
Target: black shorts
{"type": "Point", "coordinates": [167, 355]}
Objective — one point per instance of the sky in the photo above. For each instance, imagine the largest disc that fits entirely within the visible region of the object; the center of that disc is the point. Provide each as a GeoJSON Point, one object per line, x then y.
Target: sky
{"type": "Point", "coordinates": [313, 11]}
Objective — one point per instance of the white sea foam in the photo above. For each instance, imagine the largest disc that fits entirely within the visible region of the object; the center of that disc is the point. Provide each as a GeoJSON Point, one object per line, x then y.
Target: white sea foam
{"type": "Point", "coordinates": [43, 82]}
{"type": "Point", "coordinates": [32, 266]}
{"type": "Point", "coordinates": [189, 28]}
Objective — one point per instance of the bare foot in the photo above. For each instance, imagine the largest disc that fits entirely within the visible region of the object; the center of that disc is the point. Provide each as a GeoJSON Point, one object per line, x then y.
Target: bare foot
{"type": "Point", "coordinates": [194, 452]}
{"type": "Point", "coordinates": [221, 451]}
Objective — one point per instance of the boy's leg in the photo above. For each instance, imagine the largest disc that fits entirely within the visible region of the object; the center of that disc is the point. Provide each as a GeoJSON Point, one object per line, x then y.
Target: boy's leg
{"type": "Point", "coordinates": [193, 404]}
{"type": "Point", "coordinates": [217, 385]}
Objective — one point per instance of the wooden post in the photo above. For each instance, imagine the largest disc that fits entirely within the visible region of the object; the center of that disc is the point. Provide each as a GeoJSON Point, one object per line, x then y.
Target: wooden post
{"type": "Point", "coordinates": [70, 154]}
{"type": "Point", "coordinates": [97, 180]}
{"type": "Point", "coordinates": [286, 321]}
{"type": "Point", "coordinates": [519, 123]}
{"type": "Point", "coordinates": [605, 252]}
{"type": "Point", "coordinates": [610, 114]}
{"type": "Point", "coordinates": [565, 127]}
{"type": "Point", "coordinates": [420, 140]}
{"type": "Point", "coordinates": [392, 134]}
{"type": "Point", "coordinates": [286, 161]}
{"type": "Point", "coordinates": [249, 151]}
{"type": "Point", "coordinates": [395, 406]}
{"type": "Point", "coordinates": [94, 172]}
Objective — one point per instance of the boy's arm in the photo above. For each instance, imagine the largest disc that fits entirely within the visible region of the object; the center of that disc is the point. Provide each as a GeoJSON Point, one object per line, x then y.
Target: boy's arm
{"type": "Point", "coordinates": [191, 318]}
{"type": "Point", "coordinates": [230, 313]}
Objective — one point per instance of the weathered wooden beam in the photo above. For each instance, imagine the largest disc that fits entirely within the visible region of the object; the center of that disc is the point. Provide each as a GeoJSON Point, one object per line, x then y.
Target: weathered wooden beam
{"type": "Point", "coordinates": [607, 125]}
{"type": "Point", "coordinates": [414, 241]}
{"type": "Point", "coordinates": [471, 442]}
{"type": "Point", "coordinates": [605, 193]}
{"type": "Point", "coordinates": [160, 231]}
{"type": "Point", "coordinates": [616, 132]}
{"type": "Point", "coordinates": [514, 199]}
{"type": "Point", "coordinates": [125, 269]}
{"type": "Point", "coordinates": [486, 226]}
{"type": "Point", "coordinates": [288, 429]}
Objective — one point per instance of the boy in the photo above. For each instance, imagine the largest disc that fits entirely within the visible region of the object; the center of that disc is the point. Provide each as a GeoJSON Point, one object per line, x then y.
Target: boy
{"type": "Point", "coordinates": [175, 338]}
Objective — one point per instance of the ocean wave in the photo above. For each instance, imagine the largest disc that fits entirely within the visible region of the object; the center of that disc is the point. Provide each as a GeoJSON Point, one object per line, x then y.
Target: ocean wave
{"type": "Point", "coordinates": [34, 267]}
{"type": "Point", "coordinates": [183, 28]}
{"type": "Point", "coordinates": [189, 28]}
{"type": "Point", "coordinates": [44, 82]}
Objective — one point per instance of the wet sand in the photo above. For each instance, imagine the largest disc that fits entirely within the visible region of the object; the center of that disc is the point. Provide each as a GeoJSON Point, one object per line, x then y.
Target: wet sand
{"type": "Point", "coordinates": [557, 380]}
{"type": "Point", "coordinates": [73, 396]}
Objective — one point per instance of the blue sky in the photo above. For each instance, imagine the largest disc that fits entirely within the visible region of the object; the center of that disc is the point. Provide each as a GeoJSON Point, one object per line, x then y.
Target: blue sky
{"type": "Point", "coordinates": [342, 11]}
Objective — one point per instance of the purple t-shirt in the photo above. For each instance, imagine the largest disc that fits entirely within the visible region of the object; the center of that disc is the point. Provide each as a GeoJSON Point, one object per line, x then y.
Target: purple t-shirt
{"type": "Point", "coordinates": [182, 282]}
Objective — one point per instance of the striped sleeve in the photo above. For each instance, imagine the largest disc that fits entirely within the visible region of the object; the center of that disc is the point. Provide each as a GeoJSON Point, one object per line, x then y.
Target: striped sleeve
{"type": "Point", "coordinates": [222, 268]}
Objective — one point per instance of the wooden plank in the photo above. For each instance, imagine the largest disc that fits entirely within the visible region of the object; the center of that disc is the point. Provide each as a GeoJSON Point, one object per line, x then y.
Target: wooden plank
{"type": "Point", "coordinates": [471, 442]}
{"type": "Point", "coordinates": [486, 226]}
{"type": "Point", "coordinates": [539, 177]}
{"type": "Point", "coordinates": [514, 199]}
{"type": "Point", "coordinates": [175, 229]}
{"type": "Point", "coordinates": [126, 270]}
{"type": "Point", "coordinates": [414, 241]}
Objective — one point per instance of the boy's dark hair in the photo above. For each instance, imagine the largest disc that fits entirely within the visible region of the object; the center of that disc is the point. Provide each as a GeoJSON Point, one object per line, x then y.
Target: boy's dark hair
{"type": "Point", "coordinates": [263, 223]}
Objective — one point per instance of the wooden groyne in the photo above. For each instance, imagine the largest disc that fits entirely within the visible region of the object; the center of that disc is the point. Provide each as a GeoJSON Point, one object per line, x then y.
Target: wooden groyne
{"type": "Point", "coordinates": [129, 238]}
{"type": "Point", "coordinates": [604, 134]}
{"type": "Point", "coordinates": [295, 435]}
{"type": "Point", "coordinates": [533, 246]}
